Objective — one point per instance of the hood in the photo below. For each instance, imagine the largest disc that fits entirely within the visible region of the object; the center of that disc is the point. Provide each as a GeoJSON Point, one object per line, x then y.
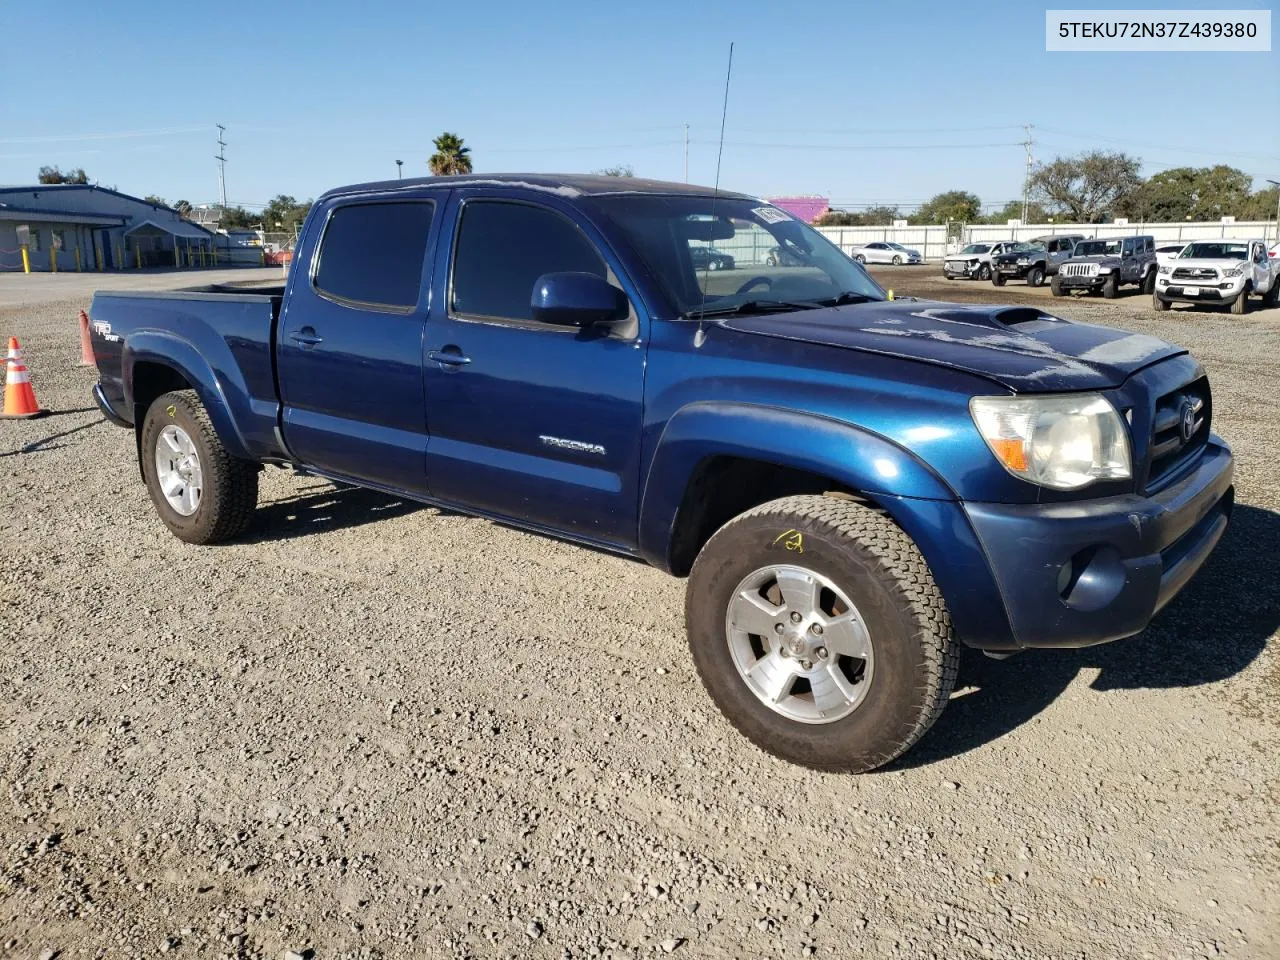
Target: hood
{"type": "Point", "coordinates": [1107, 259]}
{"type": "Point", "coordinates": [1020, 348]}
{"type": "Point", "coordinates": [966, 256]}
{"type": "Point", "coordinates": [1030, 255]}
{"type": "Point", "coordinates": [1208, 263]}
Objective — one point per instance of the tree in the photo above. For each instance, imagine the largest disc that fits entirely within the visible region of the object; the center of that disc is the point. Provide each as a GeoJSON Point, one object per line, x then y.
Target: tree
{"type": "Point", "coordinates": [1013, 211]}
{"type": "Point", "coordinates": [879, 216]}
{"type": "Point", "coordinates": [183, 207]}
{"type": "Point", "coordinates": [1261, 205]}
{"type": "Point", "coordinates": [1190, 193]}
{"type": "Point", "coordinates": [451, 157]}
{"type": "Point", "coordinates": [153, 199]}
{"type": "Point", "coordinates": [621, 170]}
{"type": "Point", "coordinates": [1089, 187]}
{"type": "Point", "coordinates": [960, 205]}
{"type": "Point", "coordinates": [55, 175]}
{"type": "Point", "coordinates": [230, 218]}
{"type": "Point", "coordinates": [284, 214]}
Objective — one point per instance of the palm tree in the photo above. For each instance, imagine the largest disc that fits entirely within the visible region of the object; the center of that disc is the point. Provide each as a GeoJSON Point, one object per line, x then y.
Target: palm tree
{"type": "Point", "coordinates": [183, 208]}
{"type": "Point", "coordinates": [450, 156]}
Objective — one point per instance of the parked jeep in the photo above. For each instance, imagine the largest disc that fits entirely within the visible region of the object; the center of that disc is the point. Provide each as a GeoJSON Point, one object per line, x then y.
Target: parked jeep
{"type": "Point", "coordinates": [1218, 272]}
{"type": "Point", "coordinates": [1107, 265]}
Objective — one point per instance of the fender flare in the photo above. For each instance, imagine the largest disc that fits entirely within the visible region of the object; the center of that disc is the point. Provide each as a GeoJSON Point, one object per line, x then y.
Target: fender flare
{"type": "Point", "coordinates": [851, 456]}
{"type": "Point", "coordinates": [181, 356]}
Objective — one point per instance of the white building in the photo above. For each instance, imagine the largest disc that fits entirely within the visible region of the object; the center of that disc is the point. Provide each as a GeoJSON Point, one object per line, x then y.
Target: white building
{"type": "Point", "coordinates": [86, 227]}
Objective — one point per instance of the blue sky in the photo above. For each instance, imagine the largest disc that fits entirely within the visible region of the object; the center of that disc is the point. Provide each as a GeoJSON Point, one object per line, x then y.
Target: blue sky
{"type": "Point", "coordinates": [861, 102]}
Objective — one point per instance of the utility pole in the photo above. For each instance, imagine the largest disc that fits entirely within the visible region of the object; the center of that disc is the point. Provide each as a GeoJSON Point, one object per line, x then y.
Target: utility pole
{"type": "Point", "coordinates": [1026, 183]}
{"type": "Point", "coordinates": [222, 165]}
{"type": "Point", "coordinates": [399, 169]}
{"type": "Point", "coordinates": [686, 153]}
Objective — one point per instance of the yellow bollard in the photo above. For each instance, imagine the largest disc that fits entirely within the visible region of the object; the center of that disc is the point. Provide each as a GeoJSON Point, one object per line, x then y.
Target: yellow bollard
{"type": "Point", "coordinates": [177, 255]}
{"type": "Point", "coordinates": [120, 264]}
{"type": "Point", "coordinates": [137, 257]}
{"type": "Point", "coordinates": [26, 260]}
{"type": "Point", "coordinates": [53, 259]}
{"type": "Point", "coordinates": [78, 265]}
{"type": "Point", "coordinates": [97, 255]}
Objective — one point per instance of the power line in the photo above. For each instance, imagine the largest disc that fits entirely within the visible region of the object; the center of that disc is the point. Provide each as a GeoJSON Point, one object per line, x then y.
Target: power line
{"type": "Point", "coordinates": [122, 135]}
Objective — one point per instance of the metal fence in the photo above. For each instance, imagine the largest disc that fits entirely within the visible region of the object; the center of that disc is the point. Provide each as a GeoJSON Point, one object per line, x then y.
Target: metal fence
{"type": "Point", "coordinates": [1163, 232]}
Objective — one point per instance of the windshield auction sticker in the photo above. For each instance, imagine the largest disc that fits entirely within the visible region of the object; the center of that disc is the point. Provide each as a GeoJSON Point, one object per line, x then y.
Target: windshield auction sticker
{"type": "Point", "coordinates": [771, 214]}
{"type": "Point", "coordinates": [1137, 31]}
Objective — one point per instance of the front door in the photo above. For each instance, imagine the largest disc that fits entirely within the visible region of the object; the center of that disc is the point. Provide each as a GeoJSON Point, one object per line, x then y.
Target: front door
{"type": "Point", "coordinates": [350, 344]}
{"type": "Point", "coordinates": [530, 421]}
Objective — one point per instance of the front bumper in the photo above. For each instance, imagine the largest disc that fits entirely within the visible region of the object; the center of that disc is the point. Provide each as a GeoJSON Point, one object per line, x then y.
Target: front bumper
{"type": "Point", "coordinates": [1076, 574]}
{"type": "Point", "coordinates": [1176, 291]}
{"type": "Point", "coordinates": [1013, 271]}
{"type": "Point", "coordinates": [958, 269]}
{"type": "Point", "coordinates": [1082, 283]}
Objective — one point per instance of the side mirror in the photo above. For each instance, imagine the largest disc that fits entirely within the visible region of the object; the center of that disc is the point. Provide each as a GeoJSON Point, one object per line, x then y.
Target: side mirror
{"type": "Point", "coordinates": [577, 300]}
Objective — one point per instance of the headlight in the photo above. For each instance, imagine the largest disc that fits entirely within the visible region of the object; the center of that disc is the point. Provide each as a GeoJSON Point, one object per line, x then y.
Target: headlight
{"type": "Point", "coordinates": [1105, 269]}
{"type": "Point", "coordinates": [1166, 269]}
{"type": "Point", "coordinates": [1235, 272]}
{"type": "Point", "coordinates": [1023, 261]}
{"type": "Point", "coordinates": [1064, 441]}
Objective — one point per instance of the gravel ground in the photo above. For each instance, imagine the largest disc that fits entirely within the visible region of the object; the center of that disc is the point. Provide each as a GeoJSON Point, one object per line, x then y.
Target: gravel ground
{"type": "Point", "coordinates": [376, 729]}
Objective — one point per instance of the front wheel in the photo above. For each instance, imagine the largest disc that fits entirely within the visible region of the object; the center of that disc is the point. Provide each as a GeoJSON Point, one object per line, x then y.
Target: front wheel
{"type": "Point", "coordinates": [1240, 305]}
{"type": "Point", "coordinates": [818, 630]}
{"type": "Point", "coordinates": [984, 272]}
{"type": "Point", "coordinates": [1055, 287]}
{"type": "Point", "coordinates": [713, 264]}
{"type": "Point", "coordinates": [860, 258]}
{"type": "Point", "coordinates": [1111, 287]}
{"type": "Point", "coordinates": [1161, 305]}
{"type": "Point", "coordinates": [998, 279]}
{"type": "Point", "coordinates": [1035, 276]}
{"type": "Point", "coordinates": [201, 492]}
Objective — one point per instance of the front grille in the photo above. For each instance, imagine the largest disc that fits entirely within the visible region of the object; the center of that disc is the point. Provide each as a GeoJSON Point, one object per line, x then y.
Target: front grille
{"type": "Point", "coordinates": [1195, 273]}
{"type": "Point", "coordinates": [1172, 443]}
{"type": "Point", "coordinates": [1079, 270]}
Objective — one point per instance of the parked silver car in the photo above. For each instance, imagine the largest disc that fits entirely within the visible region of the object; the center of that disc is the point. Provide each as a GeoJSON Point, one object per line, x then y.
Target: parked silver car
{"type": "Point", "coordinates": [885, 251]}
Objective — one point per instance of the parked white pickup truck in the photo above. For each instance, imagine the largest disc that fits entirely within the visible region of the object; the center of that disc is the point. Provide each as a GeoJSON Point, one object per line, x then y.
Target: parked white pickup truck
{"type": "Point", "coordinates": [1218, 272]}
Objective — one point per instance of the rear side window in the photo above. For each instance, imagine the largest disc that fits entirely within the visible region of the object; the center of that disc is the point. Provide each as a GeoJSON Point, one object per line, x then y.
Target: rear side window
{"type": "Point", "coordinates": [502, 250]}
{"type": "Point", "coordinates": [372, 253]}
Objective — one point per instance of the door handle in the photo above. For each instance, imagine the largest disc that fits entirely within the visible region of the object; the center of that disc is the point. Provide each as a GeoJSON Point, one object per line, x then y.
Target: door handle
{"type": "Point", "coordinates": [450, 357]}
{"type": "Point", "coordinates": [306, 336]}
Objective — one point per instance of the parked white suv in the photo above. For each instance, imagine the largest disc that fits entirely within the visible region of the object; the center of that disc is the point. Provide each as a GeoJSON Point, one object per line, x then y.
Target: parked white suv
{"type": "Point", "coordinates": [1218, 272]}
{"type": "Point", "coordinates": [974, 261]}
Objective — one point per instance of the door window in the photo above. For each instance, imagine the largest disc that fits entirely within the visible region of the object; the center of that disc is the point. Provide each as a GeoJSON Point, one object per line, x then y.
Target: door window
{"type": "Point", "coordinates": [372, 254]}
{"type": "Point", "coordinates": [503, 248]}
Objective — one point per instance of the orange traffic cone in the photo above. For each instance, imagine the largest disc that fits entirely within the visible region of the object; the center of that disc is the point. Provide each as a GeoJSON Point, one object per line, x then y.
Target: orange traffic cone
{"type": "Point", "coordinates": [19, 398]}
{"type": "Point", "coordinates": [86, 343]}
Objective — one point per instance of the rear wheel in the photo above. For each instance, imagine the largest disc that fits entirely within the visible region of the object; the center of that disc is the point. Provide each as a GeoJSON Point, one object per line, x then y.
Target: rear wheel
{"type": "Point", "coordinates": [1111, 287]}
{"type": "Point", "coordinates": [1149, 282]}
{"type": "Point", "coordinates": [713, 264]}
{"type": "Point", "coordinates": [201, 492]}
{"type": "Point", "coordinates": [818, 630]}
{"type": "Point", "coordinates": [1035, 276]}
{"type": "Point", "coordinates": [984, 272]}
{"type": "Point", "coordinates": [1272, 298]}
{"type": "Point", "coordinates": [1240, 305]}
{"type": "Point", "coordinates": [897, 260]}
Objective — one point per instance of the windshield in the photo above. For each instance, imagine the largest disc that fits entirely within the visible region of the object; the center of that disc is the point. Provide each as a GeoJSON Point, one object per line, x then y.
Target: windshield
{"type": "Point", "coordinates": [1023, 248]}
{"type": "Point", "coordinates": [977, 248]}
{"type": "Point", "coordinates": [1098, 248]}
{"type": "Point", "coordinates": [896, 246]}
{"type": "Point", "coordinates": [778, 263]}
{"type": "Point", "coordinates": [1215, 251]}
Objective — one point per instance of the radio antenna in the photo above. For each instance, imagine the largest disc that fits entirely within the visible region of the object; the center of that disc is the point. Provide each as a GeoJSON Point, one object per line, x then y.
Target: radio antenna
{"type": "Point", "coordinates": [700, 336]}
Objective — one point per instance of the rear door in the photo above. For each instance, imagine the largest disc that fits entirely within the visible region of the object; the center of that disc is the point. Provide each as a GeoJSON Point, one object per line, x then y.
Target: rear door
{"type": "Point", "coordinates": [350, 343]}
{"type": "Point", "coordinates": [531, 421]}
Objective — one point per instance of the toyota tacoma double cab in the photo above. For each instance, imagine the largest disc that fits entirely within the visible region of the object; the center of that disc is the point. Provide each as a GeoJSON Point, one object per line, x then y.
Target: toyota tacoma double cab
{"type": "Point", "coordinates": [1219, 272]}
{"type": "Point", "coordinates": [1107, 265]}
{"type": "Point", "coordinates": [854, 486]}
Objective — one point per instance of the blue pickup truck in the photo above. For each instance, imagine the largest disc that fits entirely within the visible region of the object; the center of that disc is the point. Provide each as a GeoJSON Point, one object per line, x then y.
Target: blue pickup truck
{"type": "Point", "coordinates": [853, 484]}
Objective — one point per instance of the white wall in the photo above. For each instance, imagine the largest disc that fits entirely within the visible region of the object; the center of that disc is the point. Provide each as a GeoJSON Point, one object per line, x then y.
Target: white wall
{"type": "Point", "coordinates": [1163, 232]}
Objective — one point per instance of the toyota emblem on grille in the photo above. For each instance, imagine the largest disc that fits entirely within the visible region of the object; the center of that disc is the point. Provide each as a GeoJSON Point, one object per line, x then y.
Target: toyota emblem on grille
{"type": "Point", "coordinates": [1187, 420]}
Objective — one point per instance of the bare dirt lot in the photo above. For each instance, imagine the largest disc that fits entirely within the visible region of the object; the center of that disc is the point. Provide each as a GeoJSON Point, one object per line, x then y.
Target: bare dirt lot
{"type": "Point", "coordinates": [373, 729]}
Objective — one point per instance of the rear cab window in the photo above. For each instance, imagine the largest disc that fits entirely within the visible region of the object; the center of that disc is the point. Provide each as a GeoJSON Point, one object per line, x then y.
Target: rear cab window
{"type": "Point", "coordinates": [371, 255]}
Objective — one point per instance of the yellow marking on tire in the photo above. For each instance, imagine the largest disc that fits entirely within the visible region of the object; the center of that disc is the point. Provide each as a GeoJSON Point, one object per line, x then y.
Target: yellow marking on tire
{"type": "Point", "coordinates": [171, 410]}
{"type": "Point", "coordinates": [793, 540]}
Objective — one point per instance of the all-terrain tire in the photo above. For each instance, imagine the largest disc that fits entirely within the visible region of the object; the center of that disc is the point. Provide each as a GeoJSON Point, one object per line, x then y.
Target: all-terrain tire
{"type": "Point", "coordinates": [1240, 305]}
{"type": "Point", "coordinates": [1159, 304]}
{"type": "Point", "coordinates": [998, 279]}
{"type": "Point", "coordinates": [1111, 287]}
{"type": "Point", "coordinates": [1149, 282]}
{"type": "Point", "coordinates": [1055, 287]}
{"type": "Point", "coordinates": [1272, 297]}
{"type": "Point", "coordinates": [230, 485]}
{"type": "Point", "coordinates": [915, 656]}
